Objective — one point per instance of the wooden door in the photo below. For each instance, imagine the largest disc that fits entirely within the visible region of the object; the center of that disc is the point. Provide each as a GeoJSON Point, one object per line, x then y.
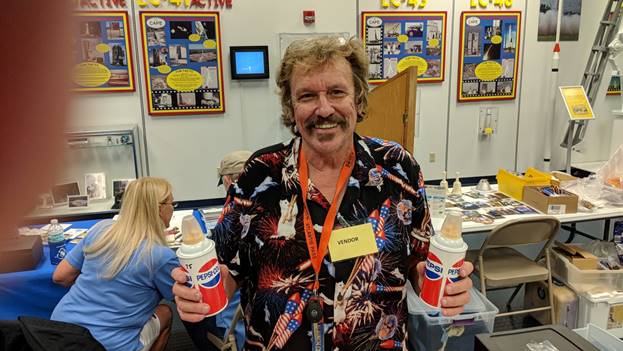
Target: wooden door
{"type": "Point", "coordinates": [391, 110]}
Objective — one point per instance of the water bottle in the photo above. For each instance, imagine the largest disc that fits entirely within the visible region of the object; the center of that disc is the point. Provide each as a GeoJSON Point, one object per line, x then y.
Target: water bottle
{"type": "Point", "coordinates": [56, 242]}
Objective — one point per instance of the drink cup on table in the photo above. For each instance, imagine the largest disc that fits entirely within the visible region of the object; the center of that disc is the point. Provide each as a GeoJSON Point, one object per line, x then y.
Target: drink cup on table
{"type": "Point", "coordinates": [197, 256]}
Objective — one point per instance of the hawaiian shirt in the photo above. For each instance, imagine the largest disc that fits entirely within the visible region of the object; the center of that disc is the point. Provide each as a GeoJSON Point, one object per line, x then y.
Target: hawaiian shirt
{"type": "Point", "coordinates": [260, 237]}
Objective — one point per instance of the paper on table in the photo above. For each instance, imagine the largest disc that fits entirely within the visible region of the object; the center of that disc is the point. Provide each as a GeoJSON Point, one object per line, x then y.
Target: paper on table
{"type": "Point", "coordinates": [71, 234]}
{"type": "Point", "coordinates": [64, 225]}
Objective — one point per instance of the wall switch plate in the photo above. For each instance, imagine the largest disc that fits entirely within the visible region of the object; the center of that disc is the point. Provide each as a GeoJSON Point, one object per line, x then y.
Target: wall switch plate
{"type": "Point", "coordinates": [432, 157]}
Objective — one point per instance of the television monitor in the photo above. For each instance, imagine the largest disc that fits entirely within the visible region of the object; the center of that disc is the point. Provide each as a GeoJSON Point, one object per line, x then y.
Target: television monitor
{"type": "Point", "coordinates": [249, 62]}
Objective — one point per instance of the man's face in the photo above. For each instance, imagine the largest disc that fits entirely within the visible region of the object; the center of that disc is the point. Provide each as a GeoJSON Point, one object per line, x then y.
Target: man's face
{"type": "Point", "coordinates": [323, 101]}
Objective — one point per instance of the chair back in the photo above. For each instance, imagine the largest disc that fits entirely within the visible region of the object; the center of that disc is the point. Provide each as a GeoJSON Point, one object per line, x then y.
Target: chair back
{"type": "Point", "coordinates": [521, 231]}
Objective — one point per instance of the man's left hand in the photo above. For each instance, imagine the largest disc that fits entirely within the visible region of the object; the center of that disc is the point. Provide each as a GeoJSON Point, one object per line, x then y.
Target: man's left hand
{"type": "Point", "coordinates": [457, 294]}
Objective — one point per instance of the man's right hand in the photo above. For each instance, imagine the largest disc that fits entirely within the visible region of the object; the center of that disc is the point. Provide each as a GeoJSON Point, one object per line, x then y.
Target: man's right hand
{"type": "Point", "coordinates": [188, 300]}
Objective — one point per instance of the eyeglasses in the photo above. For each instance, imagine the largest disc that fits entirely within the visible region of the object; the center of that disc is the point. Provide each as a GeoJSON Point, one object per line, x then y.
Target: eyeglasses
{"type": "Point", "coordinates": [173, 204]}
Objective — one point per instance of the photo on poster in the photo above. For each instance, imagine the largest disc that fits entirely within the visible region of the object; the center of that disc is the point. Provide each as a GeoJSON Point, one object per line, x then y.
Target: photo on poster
{"type": "Point", "coordinates": [433, 30]}
{"type": "Point", "coordinates": [415, 29]}
{"type": "Point", "coordinates": [180, 29]}
{"type": "Point", "coordinates": [508, 66]}
{"type": "Point", "coordinates": [548, 16]}
{"type": "Point", "coordinates": [178, 55]}
{"type": "Point", "coordinates": [163, 100]}
{"type": "Point", "coordinates": [504, 87]}
{"type": "Point", "coordinates": [389, 67]}
{"type": "Point", "coordinates": [77, 201]}
{"type": "Point", "coordinates": [159, 82]}
{"type": "Point", "coordinates": [472, 41]}
{"type": "Point", "coordinates": [487, 88]}
{"type": "Point", "coordinates": [207, 98]}
{"type": "Point", "coordinates": [90, 52]}
{"type": "Point", "coordinates": [199, 53]}
{"type": "Point", "coordinates": [90, 29]}
{"type": "Point", "coordinates": [391, 48]}
{"type": "Point", "coordinates": [95, 185]}
{"type": "Point", "coordinates": [117, 55]}
{"type": "Point", "coordinates": [374, 36]}
{"type": "Point", "coordinates": [114, 30]}
{"type": "Point", "coordinates": [469, 71]}
{"type": "Point", "coordinates": [158, 56]}
{"type": "Point", "coordinates": [375, 71]}
{"type": "Point", "coordinates": [186, 99]}
{"type": "Point", "coordinates": [375, 53]}
{"type": "Point", "coordinates": [433, 68]}
{"type": "Point", "coordinates": [210, 78]}
{"type": "Point", "coordinates": [492, 51]}
{"type": "Point", "coordinates": [205, 29]}
{"type": "Point", "coordinates": [61, 191]}
{"type": "Point", "coordinates": [570, 21]}
{"type": "Point", "coordinates": [119, 77]}
{"type": "Point", "coordinates": [493, 29]}
{"type": "Point", "coordinates": [433, 50]}
{"type": "Point", "coordinates": [510, 38]}
{"type": "Point", "coordinates": [470, 89]}
{"type": "Point", "coordinates": [392, 29]}
{"type": "Point", "coordinates": [414, 47]}
{"type": "Point", "coordinates": [156, 36]}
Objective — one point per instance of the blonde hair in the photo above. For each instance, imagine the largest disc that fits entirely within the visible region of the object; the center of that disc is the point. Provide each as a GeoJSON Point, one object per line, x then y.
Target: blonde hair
{"type": "Point", "coordinates": [139, 223]}
{"type": "Point", "coordinates": [312, 53]}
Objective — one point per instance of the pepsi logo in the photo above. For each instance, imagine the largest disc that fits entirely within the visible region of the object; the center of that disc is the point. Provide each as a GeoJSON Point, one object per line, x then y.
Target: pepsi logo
{"type": "Point", "coordinates": [433, 270]}
{"type": "Point", "coordinates": [209, 274]}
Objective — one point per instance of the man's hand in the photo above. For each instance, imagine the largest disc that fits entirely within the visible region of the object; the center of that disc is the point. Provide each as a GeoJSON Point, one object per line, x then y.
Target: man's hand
{"type": "Point", "coordinates": [188, 300]}
{"type": "Point", "coordinates": [456, 294]}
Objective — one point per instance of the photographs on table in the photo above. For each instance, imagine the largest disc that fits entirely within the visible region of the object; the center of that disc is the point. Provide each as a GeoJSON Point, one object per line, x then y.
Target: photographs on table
{"type": "Point", "coordinates": [45, 200]}
{"type": "Point", "coordinates": [95, 185]}
{"type": "Point", "coordinates": [488, 57]}
{"type": "Point", "coordinates": [119, 186]}
{"type": "Point", "coordinates": [395, 41]}
{"type": "Point", "coordinates": [485, 207]}
{"type": "Point", "coordinates": [102, 52]}
{"type": "Point", "coordinates": [78, 201]}
{"type": "Point", "coordinates": [182, 62]}
{"type": "Point", "coordinates": [60, 192]}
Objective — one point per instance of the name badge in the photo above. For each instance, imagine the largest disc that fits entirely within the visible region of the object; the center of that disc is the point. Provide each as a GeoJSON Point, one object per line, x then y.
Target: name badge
{"type": "Point", "coordinates": [352, 242]}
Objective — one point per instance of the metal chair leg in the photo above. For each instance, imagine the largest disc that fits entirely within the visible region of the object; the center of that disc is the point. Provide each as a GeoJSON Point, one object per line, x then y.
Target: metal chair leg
{"type": "Point", "coordinates": [510, 300]}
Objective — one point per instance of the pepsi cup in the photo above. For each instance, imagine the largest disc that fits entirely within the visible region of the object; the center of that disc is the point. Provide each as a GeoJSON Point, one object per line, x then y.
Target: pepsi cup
{"type": "Point", "coordinates": [446, 254]}
{"type": "Point", "coordinates": [198, 259]}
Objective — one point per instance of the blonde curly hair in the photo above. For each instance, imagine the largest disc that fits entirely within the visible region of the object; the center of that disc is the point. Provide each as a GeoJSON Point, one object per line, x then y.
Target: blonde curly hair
{"type": "Point", "coordinates": [312, 53]}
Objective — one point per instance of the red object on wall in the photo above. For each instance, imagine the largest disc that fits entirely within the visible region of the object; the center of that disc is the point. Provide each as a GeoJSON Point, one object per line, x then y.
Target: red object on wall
{"type": "Point", "coordinates": [309, 16]}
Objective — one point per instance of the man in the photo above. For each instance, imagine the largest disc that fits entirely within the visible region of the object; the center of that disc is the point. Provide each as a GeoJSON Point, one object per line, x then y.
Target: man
{"type": "Point", "coordinates": [231, 166]}
{"type": "Point", "coordinates": [293, 196]}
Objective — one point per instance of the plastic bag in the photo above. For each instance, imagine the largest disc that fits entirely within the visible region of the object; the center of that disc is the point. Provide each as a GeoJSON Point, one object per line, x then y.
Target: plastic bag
{"type": "Point", "coordinates": [545, 345]}
{"type": "Point", "coordinates": [612, 174]}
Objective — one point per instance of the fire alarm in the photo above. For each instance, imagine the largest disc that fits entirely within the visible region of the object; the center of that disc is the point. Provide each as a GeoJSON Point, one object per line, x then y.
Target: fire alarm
{"type": "Point", "coordinates": [309, 16]}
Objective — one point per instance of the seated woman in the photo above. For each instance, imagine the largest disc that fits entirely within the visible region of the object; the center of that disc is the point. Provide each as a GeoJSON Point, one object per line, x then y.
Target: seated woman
{"type": "Point", "coordinates": [121, 271]}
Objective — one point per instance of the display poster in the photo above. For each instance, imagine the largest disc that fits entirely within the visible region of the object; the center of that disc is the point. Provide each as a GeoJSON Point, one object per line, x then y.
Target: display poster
{"type": "Point", "coordinates": [102, 52]}
{"type": "Point", "coordinates": [182, 62]}
{"type": "Point", "coordinates": [488, 55]}
{"type": "Point", "coordinates": [614, 87]}
{"type": "Point", "coordinates": [576, 101]}
{"type": "Point", "coordinates": [395, 41]}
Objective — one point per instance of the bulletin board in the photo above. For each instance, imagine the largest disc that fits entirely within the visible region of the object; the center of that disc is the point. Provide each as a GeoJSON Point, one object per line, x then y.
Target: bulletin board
{"type": "Point", "coordinates": [182, 62]}
{"type": "Point", "coordinates": [396, 40]}
{"type": "Point", "coordinates": [488, 55]}
{"type": "Point", "coordinates": [102, 52]}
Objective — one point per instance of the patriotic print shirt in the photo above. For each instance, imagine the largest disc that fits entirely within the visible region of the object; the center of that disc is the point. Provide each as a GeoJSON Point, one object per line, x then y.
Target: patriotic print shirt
{"type": "Point", "coordinates": [260, 237]}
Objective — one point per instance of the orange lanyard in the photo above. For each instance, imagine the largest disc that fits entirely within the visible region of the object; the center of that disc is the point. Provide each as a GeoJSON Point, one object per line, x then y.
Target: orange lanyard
{"type": "Point", "coordinates": [316, 253]}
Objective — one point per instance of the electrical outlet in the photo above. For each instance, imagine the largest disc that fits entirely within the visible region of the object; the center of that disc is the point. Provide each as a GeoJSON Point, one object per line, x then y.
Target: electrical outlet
{"type": "Point", "coordinates": [432, 157]}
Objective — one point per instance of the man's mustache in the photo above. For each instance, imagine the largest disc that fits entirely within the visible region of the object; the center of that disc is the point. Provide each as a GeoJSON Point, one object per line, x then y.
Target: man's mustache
{"type": "Point", "coordinates": [315, 120]}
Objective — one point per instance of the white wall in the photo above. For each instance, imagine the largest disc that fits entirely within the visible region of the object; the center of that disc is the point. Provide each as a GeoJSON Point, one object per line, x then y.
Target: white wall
{"type": "Point", "coordinates": [187, 149]}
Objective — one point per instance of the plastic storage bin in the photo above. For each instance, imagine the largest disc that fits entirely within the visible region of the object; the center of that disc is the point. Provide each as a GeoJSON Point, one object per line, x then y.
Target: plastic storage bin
{"type": "Point", "coordinates": [604, 309]}
{"type": "Point", "coordinates": [431, 332]}
{"type": "Point", "coordinates": [585, 280]}
{"type": "Point", "coordinates": [600, 338]}
{"type": "Point", "coordinates": [512, 185]}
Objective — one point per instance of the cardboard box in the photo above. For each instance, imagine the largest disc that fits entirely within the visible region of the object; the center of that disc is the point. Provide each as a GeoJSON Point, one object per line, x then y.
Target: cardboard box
{"type": "Point", "coordinates": [578, 256]}
{"type": "Point", "coordinates": [561, 177]}
{"type": "Point", "coordinates": [564, 203]}
{"type": "Point", "coordinates": [20, 253]}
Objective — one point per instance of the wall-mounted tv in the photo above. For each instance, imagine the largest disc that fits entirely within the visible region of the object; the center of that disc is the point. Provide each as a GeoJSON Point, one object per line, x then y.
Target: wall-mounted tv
{"type": "Point", "coordinates": [249, 62]}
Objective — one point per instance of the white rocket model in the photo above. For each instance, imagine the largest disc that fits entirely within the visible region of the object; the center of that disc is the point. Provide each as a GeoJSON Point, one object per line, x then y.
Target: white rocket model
{"type": "Point", "coordinates": [547, 152]}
